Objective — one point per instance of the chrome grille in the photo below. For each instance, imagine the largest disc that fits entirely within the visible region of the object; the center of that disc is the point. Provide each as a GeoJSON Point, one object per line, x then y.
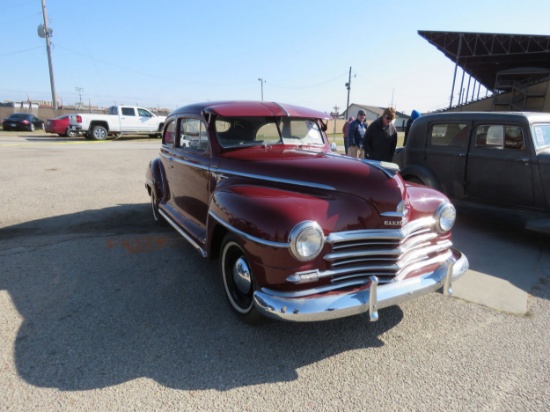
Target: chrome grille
{"type": "Point", "coordinates": [390, 254]}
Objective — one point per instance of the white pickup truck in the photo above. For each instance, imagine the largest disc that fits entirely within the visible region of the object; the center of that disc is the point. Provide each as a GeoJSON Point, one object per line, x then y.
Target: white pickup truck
{"type": "Point", "coordinates": [120, 120]}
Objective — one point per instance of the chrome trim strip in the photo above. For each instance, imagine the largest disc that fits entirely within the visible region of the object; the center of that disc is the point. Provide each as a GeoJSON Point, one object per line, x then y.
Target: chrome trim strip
{"type": "Point", "coordinates": [247, 236]}
{"type": "Point", "coordinates": [251, 175]}
{"type": "Point", "coordinates": [382, 234]}
{"type": "Point", "coordinates": [336, 306]}
{"type": "Point", "coordinates": [313, 291]}
{"type": "Point", "coordinates": [390, 169]}
{"type": "Point", "coordinates": [181, 232]}
{"type": "Point", "coordinates": [282, 108]}
{"type": "Point", "coordinates": [394, 214]}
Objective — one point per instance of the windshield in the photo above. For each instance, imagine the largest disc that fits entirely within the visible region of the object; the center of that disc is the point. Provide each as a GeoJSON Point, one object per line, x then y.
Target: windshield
{"type": "Point", "coordinates": [541, 135]}
{"type": "Point", "coordinates": [252, 131]}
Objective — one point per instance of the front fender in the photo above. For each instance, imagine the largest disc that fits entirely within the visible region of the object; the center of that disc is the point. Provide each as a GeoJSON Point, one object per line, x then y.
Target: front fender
{"type": "Point", "coordinates": [262, 218]}
{"type": "Point", "coordinates": [267, 213]}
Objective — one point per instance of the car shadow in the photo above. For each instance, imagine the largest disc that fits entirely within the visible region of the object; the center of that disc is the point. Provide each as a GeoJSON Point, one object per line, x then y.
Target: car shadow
{"type": "Point", "coordinates": [504, 250]}
{"type": "Point", "coordinates": [101, 297]}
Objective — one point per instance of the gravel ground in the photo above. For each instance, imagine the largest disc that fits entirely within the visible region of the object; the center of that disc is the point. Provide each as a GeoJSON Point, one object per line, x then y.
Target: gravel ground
{"type": "Point", "coordinates": [101, 310]}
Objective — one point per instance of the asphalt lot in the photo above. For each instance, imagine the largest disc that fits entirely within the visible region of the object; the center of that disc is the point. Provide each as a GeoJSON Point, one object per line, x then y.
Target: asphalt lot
{"type": "Point", "coordinates": [103, 310]}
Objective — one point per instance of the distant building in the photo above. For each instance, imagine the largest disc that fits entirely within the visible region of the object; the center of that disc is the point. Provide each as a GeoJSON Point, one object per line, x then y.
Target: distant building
{"type": "Point", "coordinates": [374, 112]}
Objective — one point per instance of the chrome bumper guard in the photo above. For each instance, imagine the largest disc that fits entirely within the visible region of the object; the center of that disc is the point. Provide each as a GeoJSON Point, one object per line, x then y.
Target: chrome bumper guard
{"type": "Point", "coordinates": [370, 300]}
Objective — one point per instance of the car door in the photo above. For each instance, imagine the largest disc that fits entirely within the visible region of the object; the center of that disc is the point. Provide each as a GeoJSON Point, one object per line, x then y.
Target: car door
{"type": "Point", "coordinates": [499, 167]}
{"type": "Point", "coordinates": [445, 155]}
{"type": "Point", "coordinates": [147, 120]}
{"type": "Point", "coordinates": [129, 121]}
{"type": "Point", "coordinates": [187, 170]}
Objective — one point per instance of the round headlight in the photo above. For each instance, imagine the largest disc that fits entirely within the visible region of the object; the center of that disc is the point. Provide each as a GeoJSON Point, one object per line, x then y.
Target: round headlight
{"type": "Point", "coordinates": [445, 217]}
{"type": "Point", "coordinates": [306, 240]}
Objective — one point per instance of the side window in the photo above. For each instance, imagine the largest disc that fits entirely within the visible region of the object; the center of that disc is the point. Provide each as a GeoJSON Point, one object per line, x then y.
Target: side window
{"type": "Point", "coordinates": [449, 134]}
{"type": "Point", "coordinates": [499, 137]}
{"type": "Point", "coordinates": [513, 138]}
{"type": "Point", "coordinates": [169, 133]}
{"type": "Point", "coordinates": [193, 135]}
{"type": "Point", "coordinates": [128, 111]}
{"type": "Point", "coordinates": [541, 135]}
{"type": "Point", "coordinates": [144, 113]}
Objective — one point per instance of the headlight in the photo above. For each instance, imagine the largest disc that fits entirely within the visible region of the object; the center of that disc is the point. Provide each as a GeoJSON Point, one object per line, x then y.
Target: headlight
{"type": "Point", "coordinates": [306, 240]}
{"type": "Point", "coordinates": [445, 217]}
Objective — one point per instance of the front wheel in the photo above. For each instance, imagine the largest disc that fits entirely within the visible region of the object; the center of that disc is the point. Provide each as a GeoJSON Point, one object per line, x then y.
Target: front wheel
{"type": "Point", "coordinates": [99, 133]}
{"type": "Point", "coordinates": [238, 280]}
{"type": "Point", "coordinates": [69, 133]}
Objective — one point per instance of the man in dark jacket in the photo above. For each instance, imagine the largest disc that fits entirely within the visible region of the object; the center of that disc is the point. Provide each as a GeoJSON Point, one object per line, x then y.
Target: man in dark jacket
{"type": "Point", "coordinates": [381, 137]}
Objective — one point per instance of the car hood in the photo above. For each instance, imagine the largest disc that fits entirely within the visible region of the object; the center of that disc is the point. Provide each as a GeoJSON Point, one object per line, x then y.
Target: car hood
{"type": "Point", "coordinates": [317, 171]}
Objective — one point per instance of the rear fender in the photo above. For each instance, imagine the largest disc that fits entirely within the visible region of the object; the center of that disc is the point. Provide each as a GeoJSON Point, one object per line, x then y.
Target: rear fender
{"type": "Point", "coordinates": [155, 179]}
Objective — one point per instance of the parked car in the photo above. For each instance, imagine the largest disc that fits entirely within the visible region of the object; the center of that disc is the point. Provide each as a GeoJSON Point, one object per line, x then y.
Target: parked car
{"type": "Point", "coordinates": [301, 233]}
{"type": "Point", "coordinates": [22, 121]}
{"type": "Point", "coordinates": [61, 126]}
{"type": "Point", "coordinates": [497, 162]}
{"type": "Point", "coordinates": [119, 120]}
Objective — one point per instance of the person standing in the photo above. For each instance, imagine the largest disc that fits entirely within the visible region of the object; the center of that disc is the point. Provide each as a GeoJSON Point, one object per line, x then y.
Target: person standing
{"type": "Point", "coordinates": [414, 115]}
{"type": "Point", "coordinates": [356, 132]}
{"type": "Point", "coordinates": [345, 130]}
{"type": "Point", "coordinates": [381, 137]}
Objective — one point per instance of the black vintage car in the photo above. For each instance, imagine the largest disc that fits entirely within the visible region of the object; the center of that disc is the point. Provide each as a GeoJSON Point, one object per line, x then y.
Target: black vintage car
{"type": "Point", "coordinates": [487, 161]}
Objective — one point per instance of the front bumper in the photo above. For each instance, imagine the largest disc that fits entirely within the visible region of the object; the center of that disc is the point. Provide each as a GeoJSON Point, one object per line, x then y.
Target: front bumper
{"type": "Point", "coordinates": [370, 300]}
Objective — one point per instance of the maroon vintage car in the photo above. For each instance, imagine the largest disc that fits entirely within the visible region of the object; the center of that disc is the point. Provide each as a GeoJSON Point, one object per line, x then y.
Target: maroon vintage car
{"type": "Point", "coordinates": [301, 233]}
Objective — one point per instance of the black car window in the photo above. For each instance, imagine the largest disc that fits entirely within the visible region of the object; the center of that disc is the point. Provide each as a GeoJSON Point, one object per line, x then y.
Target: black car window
{"type": "Point", "coordinates": [449, 134]}
{"type": "Point", "coordinates": [169, 133]}
{"type": "Point", "coordinates": [128, 111]}
{"type": "Point", "coordinates": [192, 135]}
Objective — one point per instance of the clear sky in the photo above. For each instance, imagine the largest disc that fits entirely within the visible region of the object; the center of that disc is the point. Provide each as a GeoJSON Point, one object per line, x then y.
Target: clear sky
{"type": "Point", "coordinates": [169, 53]}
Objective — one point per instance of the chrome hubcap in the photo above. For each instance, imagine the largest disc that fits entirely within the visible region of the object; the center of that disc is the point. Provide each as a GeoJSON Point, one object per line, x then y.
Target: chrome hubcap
{"type": "Point", "coordinates": [241, 276]}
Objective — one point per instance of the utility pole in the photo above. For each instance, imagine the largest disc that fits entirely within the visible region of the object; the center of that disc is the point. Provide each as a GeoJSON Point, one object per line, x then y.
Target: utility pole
{"type": "Point", "coordinates": [46, 33]}
{"type": "Point", "coordinates": [262, 81]}
{"type": "Point", "coordinates": [348, 86]}
{"type": "Point", "coordinates": [79, 90]}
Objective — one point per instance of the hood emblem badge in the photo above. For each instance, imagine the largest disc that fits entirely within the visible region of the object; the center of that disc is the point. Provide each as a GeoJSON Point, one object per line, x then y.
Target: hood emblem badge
{"type": "Point", "coordinates": [397, 218]}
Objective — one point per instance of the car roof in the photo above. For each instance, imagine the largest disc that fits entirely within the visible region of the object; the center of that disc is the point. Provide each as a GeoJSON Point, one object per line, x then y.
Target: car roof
{"type": "Point", "coordinates": [531, 117]}
{"type": "Point", "coordinates": [20, 115]}
{"type": "Point", "coordinates": [250, 108]}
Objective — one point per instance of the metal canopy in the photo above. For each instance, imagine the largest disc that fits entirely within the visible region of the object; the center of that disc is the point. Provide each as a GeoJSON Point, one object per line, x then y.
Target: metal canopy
{"type": "Point", "coordinates": [485, 55]}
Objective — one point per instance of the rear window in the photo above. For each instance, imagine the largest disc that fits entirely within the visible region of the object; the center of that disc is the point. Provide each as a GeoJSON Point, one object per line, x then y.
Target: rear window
{"type": "Point", "coordinates": [449, 134]}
